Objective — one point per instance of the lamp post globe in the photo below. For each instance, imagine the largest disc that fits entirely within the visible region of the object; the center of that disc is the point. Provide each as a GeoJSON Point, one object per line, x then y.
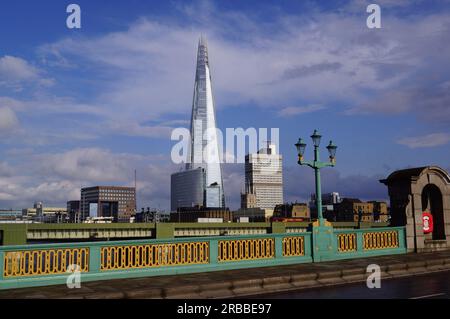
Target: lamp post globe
{"type": "Point", "coordinates": [332, 151]}
{"type": "Point", "coordinates": [316, 138]}
{"type": "Point", "coordinates": [301, 146]}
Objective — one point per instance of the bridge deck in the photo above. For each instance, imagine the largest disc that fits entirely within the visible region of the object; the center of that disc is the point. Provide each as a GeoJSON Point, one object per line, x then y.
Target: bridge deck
{"type": "Point", "coordinates": [244, 282]}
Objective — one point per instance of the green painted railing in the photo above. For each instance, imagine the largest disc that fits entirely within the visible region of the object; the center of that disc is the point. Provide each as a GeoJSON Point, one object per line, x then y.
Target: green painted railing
{"type": "Point", "coordinates": [41, 265]}
{"type": "Point", "coordinates": [356, 243]}
{"type": "Point", "coordinates": [22, 234]}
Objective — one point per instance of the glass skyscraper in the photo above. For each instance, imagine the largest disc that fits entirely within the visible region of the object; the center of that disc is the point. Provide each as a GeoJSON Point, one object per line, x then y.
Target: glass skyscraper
{"type": "Point", "coordinates": [204, 148]}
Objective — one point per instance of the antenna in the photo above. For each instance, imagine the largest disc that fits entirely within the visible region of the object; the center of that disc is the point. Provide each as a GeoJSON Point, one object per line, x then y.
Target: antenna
{"type": "Point", "coordinates": [135, 189]}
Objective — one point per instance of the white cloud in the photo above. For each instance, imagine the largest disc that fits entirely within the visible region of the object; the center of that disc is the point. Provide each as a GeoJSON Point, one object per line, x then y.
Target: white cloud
{"type": "Point", "coordinates": [430, 140]}
{"type": "Point", "coordinates": [11, 103]}
{"type": "Point", "coordinates": [22, 191]}
{"type": "Point", "coordinates": [298, 110]}
{"type": "Point", "coordinates": [88, 164]}
{"type": "Point", "coordinates": [151, 65]}
{"type": "Point", "coordinates": [136, 129]}
{"type": "Point", "coordinates": [14, 71]}
{"type": "Point", "coordinates": [8, 120]}
{"type": "Point", "coordinates": [5, 169]}
{"type": "Point", "coordinates": [55, 178]}
{"type": "Point", "coordinates": [98, 124]}
{"type": "Point", "coordinates": [147, 71]}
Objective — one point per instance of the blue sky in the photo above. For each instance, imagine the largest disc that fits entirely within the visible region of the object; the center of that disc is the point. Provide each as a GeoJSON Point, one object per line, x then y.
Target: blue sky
{"type": "Point", "coordinates": [87, 107]}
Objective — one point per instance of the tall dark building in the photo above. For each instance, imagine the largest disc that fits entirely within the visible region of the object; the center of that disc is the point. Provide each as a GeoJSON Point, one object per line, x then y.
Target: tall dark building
{"type": "Point", "coordinates": [73, 210]}
{"type": "Point", "coordinates": [73, 206]}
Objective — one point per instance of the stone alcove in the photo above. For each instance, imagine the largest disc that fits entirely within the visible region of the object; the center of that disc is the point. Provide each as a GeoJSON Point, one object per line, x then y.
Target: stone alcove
{"type": "Point", "coordinates": [413, 191]}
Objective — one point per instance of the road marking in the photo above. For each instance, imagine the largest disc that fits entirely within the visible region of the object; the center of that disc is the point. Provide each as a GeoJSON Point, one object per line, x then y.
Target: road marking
{"type": "Point", "coordinates": [428, 296]}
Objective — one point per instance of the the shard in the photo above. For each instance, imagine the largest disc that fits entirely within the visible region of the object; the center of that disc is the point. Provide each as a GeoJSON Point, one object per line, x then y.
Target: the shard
{"type": "Point", "coordinates": [201, 183]}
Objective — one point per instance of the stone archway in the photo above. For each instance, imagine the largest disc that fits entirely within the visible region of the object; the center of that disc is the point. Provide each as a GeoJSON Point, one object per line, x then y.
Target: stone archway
{"type": "Point", "coordinates": [411, 192]}
{"type": "Point", "coordinates": [432, 202]}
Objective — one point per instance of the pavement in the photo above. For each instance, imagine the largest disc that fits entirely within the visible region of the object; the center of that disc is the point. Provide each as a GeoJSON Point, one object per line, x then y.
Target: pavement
{"type": "Point", "coordinates": [244, 283]}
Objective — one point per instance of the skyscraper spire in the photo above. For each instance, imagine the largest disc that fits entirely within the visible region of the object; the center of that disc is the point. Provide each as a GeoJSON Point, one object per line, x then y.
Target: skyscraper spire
{"type": "Point", "coordinates": [204, 151]}
{"type": "Point", "coordinates": [204, 148]}
{"type": "Point", "coordinates": [202, 41]}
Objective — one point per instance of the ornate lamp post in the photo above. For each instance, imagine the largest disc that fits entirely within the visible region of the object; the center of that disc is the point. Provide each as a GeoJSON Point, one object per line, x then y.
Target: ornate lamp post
{"type": "Point", "coordinates": [317, 165]}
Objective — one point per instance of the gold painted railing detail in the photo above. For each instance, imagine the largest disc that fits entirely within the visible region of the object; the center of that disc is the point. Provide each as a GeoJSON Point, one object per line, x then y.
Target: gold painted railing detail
{"type": "Point", "coordinates": [246, 249]}
{"type": "Point", "coordinates": [154, 255]}
{"type": "Point", "coordinates": [381, 240]}
{"type": "Point", "coordinates": [293, 246]}
{"type": "Point", "coordinates": [346, 242]}
{"type": "Point", "coordinates": [44, 262]}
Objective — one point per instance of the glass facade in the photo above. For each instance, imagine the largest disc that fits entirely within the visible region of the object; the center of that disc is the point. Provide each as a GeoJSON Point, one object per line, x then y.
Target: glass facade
{"type": "Point", "coordinates": [204, 148]}
{"type": "Point", "coordinates": [187, 188]}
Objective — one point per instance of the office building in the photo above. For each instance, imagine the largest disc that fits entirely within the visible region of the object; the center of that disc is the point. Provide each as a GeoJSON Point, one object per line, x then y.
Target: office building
{"type": "Point", "coordinates": [73, 206]}
{"type": "Point", "coordinates": [187, 188]}
{"type": "Point", "coordinates": [203, 153]}
{"type": "Point", "coordinates": [263, 179]}
{"type": "Point", "coordinates": [73, 209]}
{"type": "Point", "coordinates": [108, 201]}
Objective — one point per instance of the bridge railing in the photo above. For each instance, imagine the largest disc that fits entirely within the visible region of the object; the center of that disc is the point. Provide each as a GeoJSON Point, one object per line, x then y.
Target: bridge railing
{"type": "Point", "coordinates": [40, 265]}
{"type": "Point", "coordinates": [354, 243]}
{"type": "Point", "coordinates": [22, 234]}
{"type": "Point", "coordinates": [50, 264]}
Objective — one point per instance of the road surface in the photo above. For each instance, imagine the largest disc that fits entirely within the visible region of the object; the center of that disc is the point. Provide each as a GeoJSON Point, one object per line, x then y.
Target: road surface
{"type": "Point", "coordinates": [430, 286]}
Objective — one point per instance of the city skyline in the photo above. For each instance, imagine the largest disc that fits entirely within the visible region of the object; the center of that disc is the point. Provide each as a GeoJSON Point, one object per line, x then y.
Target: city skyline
{"type": "Point", "coordinates": [87, 107]}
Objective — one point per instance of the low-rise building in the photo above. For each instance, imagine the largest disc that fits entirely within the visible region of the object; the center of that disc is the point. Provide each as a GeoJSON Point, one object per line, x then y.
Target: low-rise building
{"type": "Point", "coordinates": [329, 200]}
{"type": "Point", "coordinates": [40, 210]}
{"type": "Point", "coordinates": [9, 214]}
{"type": "Point", "coordinates": [380, 211]}
{"type": "Point", "coordinates": [249, 215]}
{"type": "Point", "coordinates": [355, 210]}
{"type": "Point", "coordinates": [193, 214]}
{"type": "Point", "coordinates": [296, 211]}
